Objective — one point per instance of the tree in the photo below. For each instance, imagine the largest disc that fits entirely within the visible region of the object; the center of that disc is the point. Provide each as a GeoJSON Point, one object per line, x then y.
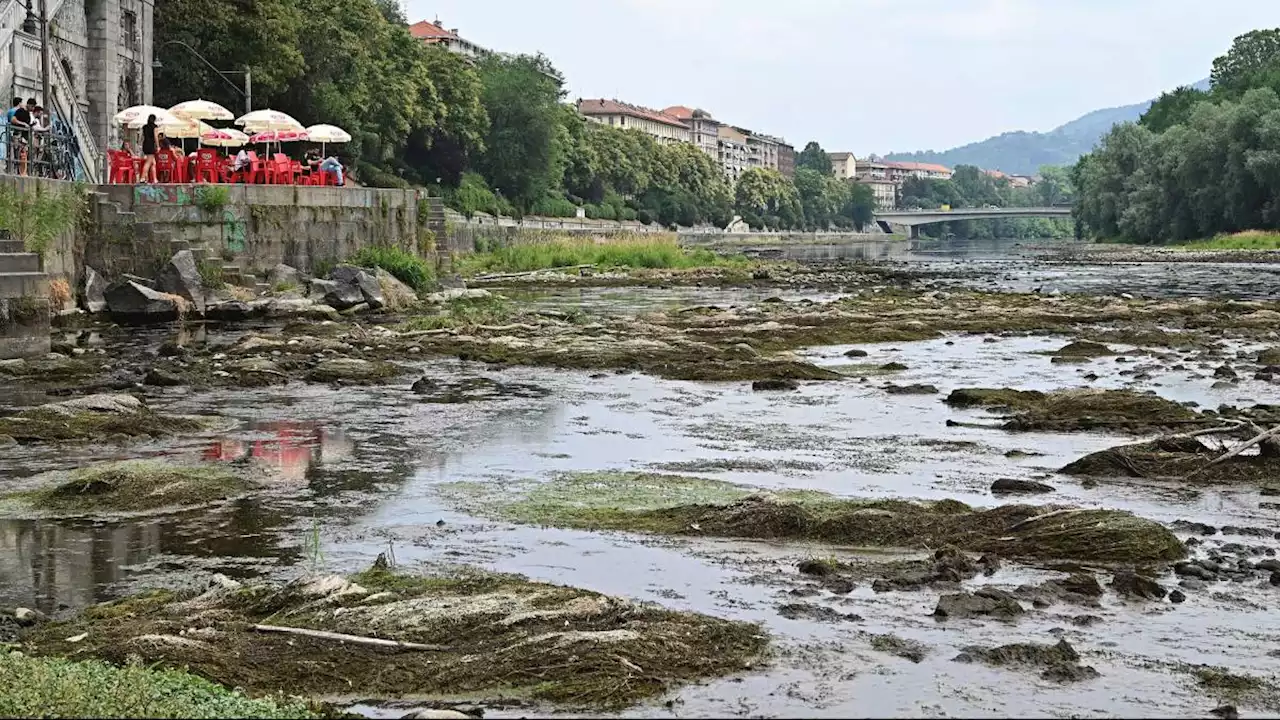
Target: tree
{"type": "Point", "coordinates": [445, 147]}
{"type": "Point", "coordinates": [814, 158]}
{"type": "Point", "coordinates": [1252, 57]}
{"type": "Point", "coordinates": [526, 146]}
{"type": "Point", "coordinates": [1172, 108]}
{"type": "Point", "coordinates": [763, 197]}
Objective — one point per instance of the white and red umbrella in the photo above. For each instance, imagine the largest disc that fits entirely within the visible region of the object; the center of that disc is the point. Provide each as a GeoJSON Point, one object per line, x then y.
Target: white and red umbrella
{"type": "Point", "coordinates": [224, 137]}
{"type": "Point", "coordinates": [201, 110]}
{"type": "Point", "coordinates": [262, 120]}
{"type": "Point", "coordinates": [326, 134]}
{"type": "Point", "coordinates": [279, 136]}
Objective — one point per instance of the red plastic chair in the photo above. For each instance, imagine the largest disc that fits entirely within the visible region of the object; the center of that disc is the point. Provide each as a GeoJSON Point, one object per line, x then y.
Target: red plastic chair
{"type": "Point", "coordinates": [123, 169]}
{"type": "Point", "coordinates": [261, 172]}
{"type": "Point", "coordinates": [166, 169]}
{"type": "Point", "coordinates": [208, 166]}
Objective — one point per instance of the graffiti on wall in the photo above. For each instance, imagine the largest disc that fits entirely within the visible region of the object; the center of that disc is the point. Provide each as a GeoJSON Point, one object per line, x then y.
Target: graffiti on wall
{"type": "Point", "coordinates": [162, 195]}
{"type": "Point", "coordinates": [232, 231]}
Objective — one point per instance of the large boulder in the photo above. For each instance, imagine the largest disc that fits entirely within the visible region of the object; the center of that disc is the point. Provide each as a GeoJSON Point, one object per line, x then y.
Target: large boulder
{"type": "Point", "coordinates": [95, 287]}
{"type": "Point", "coordinates": [130, 300]}
{"type": "Point", "coordinates": [283, 276]}
{"type": "Point", "coordinates": [181, 277]}
{"type": "Point", "coordinates": [396, 294]}
{"type": "Point", "coordinates": [370, 289]}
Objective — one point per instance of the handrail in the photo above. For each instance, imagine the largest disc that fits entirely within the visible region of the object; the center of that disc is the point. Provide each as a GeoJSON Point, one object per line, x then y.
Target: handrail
{"type": "Point", "coordinates": [78, 123]}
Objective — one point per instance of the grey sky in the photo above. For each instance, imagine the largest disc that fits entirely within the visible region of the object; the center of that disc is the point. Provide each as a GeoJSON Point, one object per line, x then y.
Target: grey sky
{"type": "Point", "coordinates": [867, 75]}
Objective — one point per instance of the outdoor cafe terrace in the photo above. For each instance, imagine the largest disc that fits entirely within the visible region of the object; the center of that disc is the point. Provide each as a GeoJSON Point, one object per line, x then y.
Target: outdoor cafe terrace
{"type": "Point", "coordinates": [210, 162]}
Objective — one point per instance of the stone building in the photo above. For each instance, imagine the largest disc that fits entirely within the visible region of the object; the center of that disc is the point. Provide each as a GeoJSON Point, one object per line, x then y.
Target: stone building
{"type": "Point", "coordinates": [843, 165]}
{"type": "Point", "coordinates": [100, 54]}
{"type": "Point", "coordinates": [434, 33]}
{"type": "Point", "coordinates": [658, 125]}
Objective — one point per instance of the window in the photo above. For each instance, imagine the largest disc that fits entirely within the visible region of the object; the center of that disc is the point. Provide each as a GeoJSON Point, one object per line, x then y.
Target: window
{"type": "Point", "coordinates": [129, 30]}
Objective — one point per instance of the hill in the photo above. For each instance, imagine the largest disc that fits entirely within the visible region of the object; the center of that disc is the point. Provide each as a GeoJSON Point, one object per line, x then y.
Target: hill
{"type": "Point", "coordinates": [1022, 153]}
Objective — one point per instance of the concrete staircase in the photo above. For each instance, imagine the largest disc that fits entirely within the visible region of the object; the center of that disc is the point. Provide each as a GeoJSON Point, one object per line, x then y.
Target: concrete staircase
{"type": "Point", "coordinates": [24, 301]}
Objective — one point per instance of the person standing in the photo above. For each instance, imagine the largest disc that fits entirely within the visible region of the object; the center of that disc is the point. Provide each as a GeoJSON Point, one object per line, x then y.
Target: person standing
{"type": "Point", "coordinates": [150, 143]}
{"type": "Point", "coordinates": [20, 131]}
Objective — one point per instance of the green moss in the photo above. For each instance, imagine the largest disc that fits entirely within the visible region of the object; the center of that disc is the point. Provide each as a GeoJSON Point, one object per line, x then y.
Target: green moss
{"type": "Point", "coordinates": [42, 425]}
{"type": "Point", "coordinates": [353, 371]}
{"type": "Point", "coordinates": [675, 505]}
{"type": "Point", "coordinates": [137, 485]}
{"type": "Point", "coordinates": [56, 688]}
{"type": "Point", "coordinates": [1069, 410]}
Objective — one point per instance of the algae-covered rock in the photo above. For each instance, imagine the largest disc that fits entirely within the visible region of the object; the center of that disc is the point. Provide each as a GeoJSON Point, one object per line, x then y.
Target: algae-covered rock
{"type": "Point", "coordinates": [1059, 663]}
{"type": "Point", "coordinates": [135, 486]}
{"type": "Point", "coordinates": [93, 417]}
{"type": "Point", "coordinates": [1083, 349]}
{"type": "Point", "coordinates": [353, 371]}
{"type": "Point", "coordinates": [480, 635]}
{"type": "Point", "coordinates": [1175, 458]}
{"type": "Point", "coordinates": [695, 506]}
{"type": "Point", "coordinates": [1069, 410]}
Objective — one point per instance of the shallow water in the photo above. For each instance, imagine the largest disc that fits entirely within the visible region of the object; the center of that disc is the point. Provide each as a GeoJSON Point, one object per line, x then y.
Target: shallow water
{"type": "Point", "coordinates": [362, 468]}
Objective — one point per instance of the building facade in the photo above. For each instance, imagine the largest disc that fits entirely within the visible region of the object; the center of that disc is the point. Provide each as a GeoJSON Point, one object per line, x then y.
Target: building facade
{"type": "Point", "coordinates": [899, 171]}
{"type": "Point", "coordinates": [659, 126]}
{"type": "Point", "coordinates": [704, 130]}
{"type": "Point", "coordinates": [100, 54]}
{"type": "Point", "coordinates": [843, 165]}
{"type": "Point", "coordinates": [787, 160]}
{"type": "Point", "coordinates": [434, 33]}
{"type": "Point", "coordinates": [884, 191]}
{"type": "Point", "coordinates": [732, 152]}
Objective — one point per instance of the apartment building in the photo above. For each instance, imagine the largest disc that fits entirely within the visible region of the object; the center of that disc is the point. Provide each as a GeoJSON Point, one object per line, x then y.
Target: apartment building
{"type": "Point", "coordinates": [787, 160]}
{"type": "Point", "coordinates": [899, 171]}
{"type": "Point", "coordinates": [843, 165]}
{"type": "Point", "coordinates": [658, 125]}
{"type": "Point", "coordinates": [885, 191]}
{"type": "Point", "coordinates": [732, 151]}
{"type": "Point", "coordinates": [434, 33]}
{"type": "Point", "coordinates": [704, 130]}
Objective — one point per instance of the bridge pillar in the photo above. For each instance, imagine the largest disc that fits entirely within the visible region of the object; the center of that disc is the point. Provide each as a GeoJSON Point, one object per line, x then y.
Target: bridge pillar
{"type": "Point", "coordinates": [915, 232]}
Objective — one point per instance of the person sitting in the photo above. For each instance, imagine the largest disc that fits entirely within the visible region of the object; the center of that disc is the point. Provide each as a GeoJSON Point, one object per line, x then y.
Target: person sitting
{"type": "Point", "coordinates": [241, 162]}
{"type": "Point", "coordinates": [331, 164]}
{"type": "Point", "coordinates": [311, 159]}
{"type": "Point", "coordinates": [126, 147]}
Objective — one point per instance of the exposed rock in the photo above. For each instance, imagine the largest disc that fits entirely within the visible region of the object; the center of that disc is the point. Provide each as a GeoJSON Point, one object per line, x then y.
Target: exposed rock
{"type": "Point", "coordinates": [855, 353]}
{"type": "Point", "coordinates": [319, 288]}
{"type": "Point", "coordinates": [349, 276]}
{"type": "Point", "coordinates": [1131, 584]}
{"type": "Point", "coordinates": [459, 293]}
{"type": "Point", "coordinates": [1226, 712]}
{"type": "Point", "coordinates": [396, 295]}
{"type": "Point", "coordinates": [435, 714]}
{"type": "Point", "coordinates": [917, 389]}
{"type": "Point", "coordinates": [26, 617]}
{"type": "Point", "coordinates": [352, 370]}
{"type": "Point", "coordinates": [1224, 371]}
{"type": "Point", "coordinates": [95, 288]}
{"type": "Point", "coordinates": [1083, 349]}
{"type": "Point", "coordinates": [776, 384]}
{"type": "Point", "coordinates": [228, 311]}
{"type": "Point", "coordinates": [985, 602]}
{"type": "Point", "coordinates": [1177, 596]}
{"type": "Point", "coordinates": [181, 277]}
{"type": "Point", "coordinates": [1060, 663]}
{"type": "Point", "coordinates": [283, 276]}
{"type": "Point", "coordinates": [893, 366]}
{"type": "Point", "coordinates": [159, 377]}
{"type": "Point", "coordinates": [338, 295]}
{"type": "Point", "coordinates": [131, 300]}
{"type": "Point", "coordinates": [1008, 486]}
{"type": "Point", "coordinates": [821, 613]}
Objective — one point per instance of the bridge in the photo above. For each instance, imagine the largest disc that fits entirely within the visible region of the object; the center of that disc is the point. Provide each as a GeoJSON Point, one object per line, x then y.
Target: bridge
{"type": "Point", "coordinates": [913, 219]}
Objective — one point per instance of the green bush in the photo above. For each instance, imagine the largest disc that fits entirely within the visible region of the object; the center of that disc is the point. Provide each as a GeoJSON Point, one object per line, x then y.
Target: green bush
{"type": "Point", "coordinates": [212, 198]}
{"type": "Point", "coordinates": [472, 196]}
{"type": "Point", "coordinates": [405, 266]}
{"type": "Point", "coordinates": [554, 206]}
{"type": "Point", "coordinates": [644, 251]}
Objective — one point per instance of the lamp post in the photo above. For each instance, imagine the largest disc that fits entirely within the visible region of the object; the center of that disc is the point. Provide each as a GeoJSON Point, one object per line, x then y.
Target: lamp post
{"type": "Point", "coordinates": [29, 23]}
{"type": "Point", "coordinates": [246, 93]}
{"type": "Point", "coordinates": [44, 54]}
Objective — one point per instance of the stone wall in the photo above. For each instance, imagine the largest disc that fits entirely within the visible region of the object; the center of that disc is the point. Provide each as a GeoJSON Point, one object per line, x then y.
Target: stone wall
{"type": "Point", "coordinates": [253, 226]}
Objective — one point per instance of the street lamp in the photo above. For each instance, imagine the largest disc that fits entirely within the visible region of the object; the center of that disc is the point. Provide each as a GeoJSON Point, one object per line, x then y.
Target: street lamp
{"type": "Point", "coordinates": [246, 93]}
{"type": "Point", "coordinates": [29, 23]}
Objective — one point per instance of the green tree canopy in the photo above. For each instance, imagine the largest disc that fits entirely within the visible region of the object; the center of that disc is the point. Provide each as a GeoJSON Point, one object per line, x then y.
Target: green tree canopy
{"type": "Point", "coordinates": [1172, 108]}
{"type": "Point", "coordinates": [814, 158]}
{"type": "Point", "coordinates": [1253, 61]}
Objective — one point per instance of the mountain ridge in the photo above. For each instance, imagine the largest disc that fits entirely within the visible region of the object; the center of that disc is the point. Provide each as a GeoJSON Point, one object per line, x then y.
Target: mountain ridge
{"type": "Point", "coordinates": [1022, 152]}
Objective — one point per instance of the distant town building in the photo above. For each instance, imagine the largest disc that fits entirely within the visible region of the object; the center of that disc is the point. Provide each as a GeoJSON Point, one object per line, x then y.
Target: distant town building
{"type": "Point", "coordinates": [704, 130]}
{"type": "Point", "coordinates": [732, 151]}
{"type": "Point", "coordinates": [434, 33]}
{"type": "Point", "coordinates": [899, 171]}
{"type": "Point", "coordinates": [787, 160]}
{"type": "Point", "coordinates": [762, 150]}
{"type": "Point", "coordinates": [1021, 181]}
{"type": "Point", "coordinates": [873, 169]}
{"type": "Point", "coordinates": [885, 191]}
{"type": "Point", "coordinates": [658, 125]}
{"type": "Point", "coordinates": [843, 165]}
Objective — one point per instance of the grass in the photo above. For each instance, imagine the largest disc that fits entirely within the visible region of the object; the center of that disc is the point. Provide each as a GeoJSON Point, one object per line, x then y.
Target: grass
{"type": "Point", "coordinates": [1245, 240]}
{"type": "Point", "coordinates": [636, 252]}
{"type": "Point", "coordinates": [53, 687]}
{"type": "Point", "coordinates": [405, 266]}
{"type": "Point", "coordinates": [211, 275]}
{"type": "Point", "coordinates": [212, 198]}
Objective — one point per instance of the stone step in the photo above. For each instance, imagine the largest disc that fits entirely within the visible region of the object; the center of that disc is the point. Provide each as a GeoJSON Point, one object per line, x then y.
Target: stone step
{"type": "Point", "coordinates": [11, 246]}
{"type": "Point", "coordinates": [19, 262]}
{"type": "Point", "coordinates": [24, 284]}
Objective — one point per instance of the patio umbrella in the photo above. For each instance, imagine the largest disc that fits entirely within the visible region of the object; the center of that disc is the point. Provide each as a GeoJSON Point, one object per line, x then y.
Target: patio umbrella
{"type": "Point", "coordinates": [325, 134]}
{"type": "Point", "coordinates": [187, 129]}
{"type": "Point", "coordinates": [201, 110]}
{"type": "Point", "coordinates": [138, 114]}
{"type": "Point", "coordinates": [279, 136]}
{"type": "Point", "coordinates": [224, 137]}
{"type": "Point", "coordinates": [263, 120]}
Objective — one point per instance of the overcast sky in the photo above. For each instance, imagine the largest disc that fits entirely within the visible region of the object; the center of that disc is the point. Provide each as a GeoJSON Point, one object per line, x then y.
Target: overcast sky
{"type": "Point", "coordinates": [867, 75]}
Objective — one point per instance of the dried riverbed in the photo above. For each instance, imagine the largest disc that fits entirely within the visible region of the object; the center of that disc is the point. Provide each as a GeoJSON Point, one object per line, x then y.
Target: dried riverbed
{"type": "Point", "coordinates": [586, 459]}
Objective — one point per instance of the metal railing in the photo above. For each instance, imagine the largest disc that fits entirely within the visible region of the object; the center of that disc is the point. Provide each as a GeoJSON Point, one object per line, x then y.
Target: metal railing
{"type": "Point", "coordinates": [52, 153]}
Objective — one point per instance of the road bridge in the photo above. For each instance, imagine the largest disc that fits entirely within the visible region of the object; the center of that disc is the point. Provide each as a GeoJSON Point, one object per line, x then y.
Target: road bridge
{"type": "Point", "coordinates": [914, 219]}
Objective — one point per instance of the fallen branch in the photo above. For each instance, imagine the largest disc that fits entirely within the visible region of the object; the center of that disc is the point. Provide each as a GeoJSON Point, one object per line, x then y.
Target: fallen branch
{"type": "Point", "coordinates": [1208, 431]}
{"type": "Point", "coordinates": [1238, 449]}
{"type": "Point", "coordinates": [526, 273]}
{"type": "Point", "coordinates": [354, 639]}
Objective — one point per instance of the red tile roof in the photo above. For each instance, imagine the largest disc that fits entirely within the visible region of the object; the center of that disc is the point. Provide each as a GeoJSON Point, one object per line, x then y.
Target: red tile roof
{"type": "Point", "coordinates": [429, 31]}
{"type": "Point", "coordinates": [679, 111]}
{"type": "Point", "coordinates": [613, 107]}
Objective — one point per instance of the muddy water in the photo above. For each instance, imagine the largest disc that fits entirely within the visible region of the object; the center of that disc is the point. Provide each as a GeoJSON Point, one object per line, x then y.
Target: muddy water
{"type": "Point", "coordinates": [361, 470]}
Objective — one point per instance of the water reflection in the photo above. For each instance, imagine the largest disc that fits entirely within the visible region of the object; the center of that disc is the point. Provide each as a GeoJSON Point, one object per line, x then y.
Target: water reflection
{"type": "Point", "coordinates": [288, 449]}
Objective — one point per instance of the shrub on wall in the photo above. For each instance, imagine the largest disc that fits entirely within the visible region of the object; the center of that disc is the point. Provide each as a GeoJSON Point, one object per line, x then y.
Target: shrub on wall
{"type": "Point", "coordinates": [36, 218]}
{"type": "Point", "coordinates": [405, 266]}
